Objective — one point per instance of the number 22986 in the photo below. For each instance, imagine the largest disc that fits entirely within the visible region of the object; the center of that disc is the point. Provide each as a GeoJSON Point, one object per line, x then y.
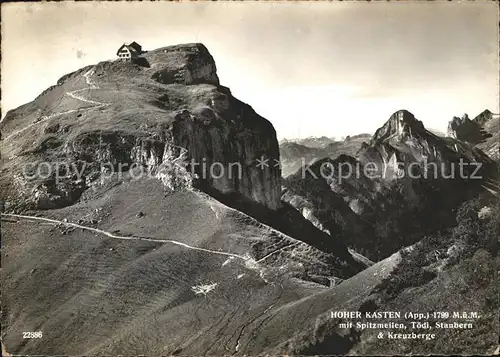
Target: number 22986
{"type": "Point", "coordinates": [32, 334]}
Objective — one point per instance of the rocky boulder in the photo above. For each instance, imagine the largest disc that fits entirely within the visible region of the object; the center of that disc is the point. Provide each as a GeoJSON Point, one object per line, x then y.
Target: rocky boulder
{"type": "Point", "coordinates": [183, 64]}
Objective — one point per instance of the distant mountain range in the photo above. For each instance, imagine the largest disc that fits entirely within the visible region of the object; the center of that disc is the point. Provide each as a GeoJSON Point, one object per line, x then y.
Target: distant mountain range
{"type": "Point", "coordinates": [294, 154]}
{"type": "Point", "coordinates": [312, 141]}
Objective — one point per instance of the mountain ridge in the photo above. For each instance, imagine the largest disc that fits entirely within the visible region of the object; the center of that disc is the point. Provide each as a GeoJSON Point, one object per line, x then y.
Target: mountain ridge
{"type": "Point", "coordinates": [410, 168]}
{"type": "Point", "coordinates": [482, 131]}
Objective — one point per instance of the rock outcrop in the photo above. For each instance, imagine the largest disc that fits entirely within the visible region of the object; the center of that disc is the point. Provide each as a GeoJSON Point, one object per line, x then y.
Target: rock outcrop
{"type": "Point", "coordinates": [251, 273]}
{"type": "Point", "coordinates": [130, 246]}
{"type": "Point", "coordinates": [465, 129]}
{"type": "Point", "coordinates": [183, 64]}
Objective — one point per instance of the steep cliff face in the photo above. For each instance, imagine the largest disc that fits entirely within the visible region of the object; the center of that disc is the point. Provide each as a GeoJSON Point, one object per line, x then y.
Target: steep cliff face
{"type": "Point", "coordinates": [163, 110]}
{"type": "Point", "coordinates": [401, 125]}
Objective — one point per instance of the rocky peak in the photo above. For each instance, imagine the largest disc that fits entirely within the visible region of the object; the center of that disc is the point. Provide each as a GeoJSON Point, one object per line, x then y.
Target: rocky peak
{"type": "Point", "coordinates": [483, 117]}
{"type": "Point", "coordinates": [400, 125]}
{"type": "Point", "coordinates": [404, 139]}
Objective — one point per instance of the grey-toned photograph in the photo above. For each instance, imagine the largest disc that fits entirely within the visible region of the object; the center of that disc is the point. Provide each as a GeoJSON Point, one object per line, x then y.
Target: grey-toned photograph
{"type": "Point", "coordinates": [257, 178]}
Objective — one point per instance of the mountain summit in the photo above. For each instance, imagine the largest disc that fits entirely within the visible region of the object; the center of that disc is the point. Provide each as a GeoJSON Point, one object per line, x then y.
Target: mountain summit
{"type": "Point", "coordinates": [401, 124]}
{"type": "Point", "coordinates": [165, 104]}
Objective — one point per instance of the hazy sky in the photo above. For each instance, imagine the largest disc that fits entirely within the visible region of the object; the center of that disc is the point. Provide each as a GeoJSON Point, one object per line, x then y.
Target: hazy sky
{"type": "Point", "coordinates": [320, 68]}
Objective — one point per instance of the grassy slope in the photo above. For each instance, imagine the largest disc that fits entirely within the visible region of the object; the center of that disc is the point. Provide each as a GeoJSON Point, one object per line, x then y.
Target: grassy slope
{"type": "Point", "coordinates": [312, 314]}
{"type": "Point", "coordinates": [92, 294]}
{"type": "Point", "coordinates": [470, 286]}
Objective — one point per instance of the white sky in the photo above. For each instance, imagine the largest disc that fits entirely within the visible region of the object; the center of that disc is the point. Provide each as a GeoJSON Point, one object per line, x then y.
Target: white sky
{"type": "Point", "coordinates": [320, 68]}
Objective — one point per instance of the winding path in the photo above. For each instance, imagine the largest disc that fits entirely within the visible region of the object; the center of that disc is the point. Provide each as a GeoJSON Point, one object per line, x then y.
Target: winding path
{"type": "Point", "coordinates": [110, 235]}
{"type": "Point", "coordinates": [74, 95]}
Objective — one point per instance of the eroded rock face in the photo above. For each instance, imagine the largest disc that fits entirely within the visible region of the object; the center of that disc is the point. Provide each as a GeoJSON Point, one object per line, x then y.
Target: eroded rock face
{"type": "Point", "coordinates": [148, 116]}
